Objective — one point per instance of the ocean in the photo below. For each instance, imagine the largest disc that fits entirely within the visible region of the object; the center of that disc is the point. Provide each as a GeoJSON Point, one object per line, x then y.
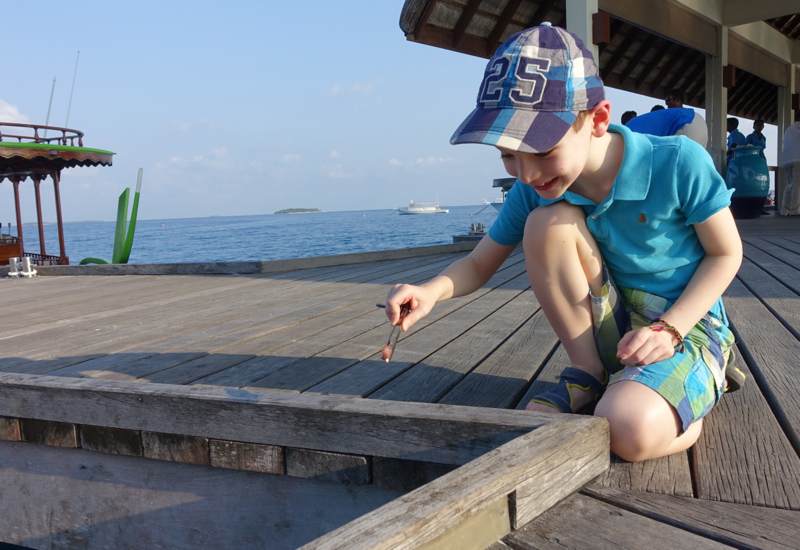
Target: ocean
{"type": "Point", "coordinates": [264, 237]}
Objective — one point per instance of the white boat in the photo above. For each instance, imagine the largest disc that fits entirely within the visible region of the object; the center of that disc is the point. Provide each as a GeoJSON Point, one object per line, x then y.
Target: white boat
{"type": "Point", "coordinates": [423, 208]}
{"type": "Point", "coordinates": [497, 203]}
{"type": "Point", "coordinates": [505, 185]}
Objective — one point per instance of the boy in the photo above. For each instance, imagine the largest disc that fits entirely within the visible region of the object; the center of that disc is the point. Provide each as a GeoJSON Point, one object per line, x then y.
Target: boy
{"type": "Point", "coordinates": [757, 137]}
{"type": "Point", "coordinates": [596, 206]}
{"type": "Point", "coordinates": [735, 137]}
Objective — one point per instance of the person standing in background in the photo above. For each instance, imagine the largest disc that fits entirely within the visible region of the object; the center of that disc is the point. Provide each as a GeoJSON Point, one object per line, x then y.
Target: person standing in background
{"type": "Point", "coordinates": [676, 120]}
{"type": "Point", "coordinates": [790, 163]}
{"type": "Point", "coordinates": [757, 138]}
{"type": "Point", "coordinates": [735, 137]}
{"type": "Point", "coordinates": [627, 115]}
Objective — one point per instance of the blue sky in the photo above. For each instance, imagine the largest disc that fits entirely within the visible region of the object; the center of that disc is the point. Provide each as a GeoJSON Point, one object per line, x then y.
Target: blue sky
{"type": "Point", "coordinates": [249, 107]}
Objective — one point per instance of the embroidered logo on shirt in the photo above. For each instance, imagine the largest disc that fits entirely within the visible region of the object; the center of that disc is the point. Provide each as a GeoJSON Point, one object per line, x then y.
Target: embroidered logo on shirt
{"type": "Point", "coordinates": [642, 218]}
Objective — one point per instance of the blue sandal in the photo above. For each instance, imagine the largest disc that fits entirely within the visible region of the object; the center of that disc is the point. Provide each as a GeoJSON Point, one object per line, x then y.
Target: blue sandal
{"type": "Point", "coordinates": [560, 397]}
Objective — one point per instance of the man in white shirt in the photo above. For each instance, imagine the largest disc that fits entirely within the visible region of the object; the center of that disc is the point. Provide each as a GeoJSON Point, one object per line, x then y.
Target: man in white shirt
{"type": "Point", "coordinates": [790, 162]}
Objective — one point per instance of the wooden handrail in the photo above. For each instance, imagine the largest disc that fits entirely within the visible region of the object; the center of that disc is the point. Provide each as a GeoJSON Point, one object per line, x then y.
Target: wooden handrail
{"type": "Point", "coordinates": [67, 137]}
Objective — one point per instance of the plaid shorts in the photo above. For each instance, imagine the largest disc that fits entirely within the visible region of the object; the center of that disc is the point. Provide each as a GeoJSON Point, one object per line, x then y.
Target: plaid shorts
{"type": "Point", "coordinates": [691, 381]}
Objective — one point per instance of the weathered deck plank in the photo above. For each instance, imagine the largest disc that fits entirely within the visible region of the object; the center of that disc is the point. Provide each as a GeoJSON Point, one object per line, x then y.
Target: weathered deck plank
{"type": "Point", "coordinates": [735, 524]}
{"type": "Point", "coordinates": [743, 456]}
{"type": "Point", "coordinates": [502, 377]}
{"type": "Point", "coordinates": [362, 377]}
{"type": "Point", "coordinates": [582, 522]}
{"type": "Point", "coordinates": [430, 379]}
{"type": "Point", "coordinates": [773, 350]}
{"type": "Point", "coordinates": [257, 318]}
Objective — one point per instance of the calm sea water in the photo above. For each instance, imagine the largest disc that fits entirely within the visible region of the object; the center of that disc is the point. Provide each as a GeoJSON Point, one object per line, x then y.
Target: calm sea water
{"type": "Point", "coordinates": [266, 237]}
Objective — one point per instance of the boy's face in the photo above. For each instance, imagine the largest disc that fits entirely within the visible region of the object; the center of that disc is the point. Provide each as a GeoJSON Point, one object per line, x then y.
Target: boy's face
{"type": "Point", "coordinates": [758, 126]}
{"type": "Point", "coordinates": [551, 173]}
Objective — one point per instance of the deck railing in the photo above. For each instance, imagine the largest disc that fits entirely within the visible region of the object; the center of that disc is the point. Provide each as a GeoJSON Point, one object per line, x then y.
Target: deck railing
{"type": "Point", "coordinates": [45, 259]}
{"type": "Point", "coordinates": [67, 137]}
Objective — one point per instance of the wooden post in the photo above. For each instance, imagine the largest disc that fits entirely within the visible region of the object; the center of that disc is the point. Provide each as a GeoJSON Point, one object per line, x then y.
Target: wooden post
{"type": "Point", "coordinates": [37, 179]}
{"type": "Point", "coordinates": [15, 180]}
{"type": "Point", "coordinates": [56, 174]}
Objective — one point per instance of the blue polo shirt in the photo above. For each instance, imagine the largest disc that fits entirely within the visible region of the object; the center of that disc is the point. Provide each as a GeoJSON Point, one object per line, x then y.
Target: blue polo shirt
{"type": "Point", "coordinates": [735, 136]}
{"type": "Point", "coordinates": [644, 227]}
{"type": "Point", "coordinates": [753, 139]}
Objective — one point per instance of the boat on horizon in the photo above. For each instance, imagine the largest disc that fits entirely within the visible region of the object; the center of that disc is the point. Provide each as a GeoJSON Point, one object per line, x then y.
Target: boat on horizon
{"type": "Point", "coordinates": [505, 185]}
{"type": "Point", "coordinates": [422, 208]}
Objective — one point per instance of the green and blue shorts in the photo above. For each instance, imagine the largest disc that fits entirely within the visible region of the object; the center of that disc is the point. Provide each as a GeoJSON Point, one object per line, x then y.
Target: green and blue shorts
{"type": "Point", "coordinates": [691, 381]}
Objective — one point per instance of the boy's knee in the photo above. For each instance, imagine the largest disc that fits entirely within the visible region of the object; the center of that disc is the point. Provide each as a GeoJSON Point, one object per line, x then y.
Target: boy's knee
{"type": "Point", "coordinates": [630, 439]}
{"type": "Point", "coordinates": [551, 220]}
{"type": "Point", "coordinates": [636, 433]}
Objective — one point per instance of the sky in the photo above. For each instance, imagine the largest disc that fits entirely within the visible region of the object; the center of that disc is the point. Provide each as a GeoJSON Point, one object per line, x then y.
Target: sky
{"type": "Point", "coordinates": [248, 107]}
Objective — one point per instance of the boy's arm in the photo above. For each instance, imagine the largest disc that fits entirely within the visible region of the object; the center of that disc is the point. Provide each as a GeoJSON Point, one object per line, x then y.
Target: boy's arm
{"type": "Point", "coordinates": [723, 247]}
{"type": "Point", "coordinates": [462, 277]}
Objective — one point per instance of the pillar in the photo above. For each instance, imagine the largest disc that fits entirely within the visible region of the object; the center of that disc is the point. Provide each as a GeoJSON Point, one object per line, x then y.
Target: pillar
{"type": "Point", "coordinates": [717, 102]}
{"type": "Point", "coordinates": [579, 22]}
{"type": "Point", "coordinates": [64, 260]}
{"type": "Point", "coordinates": [785, 119]}
{"type": "Point", "coordinates": [15, 180]}
{"type": "Point", "coordinates": [37, 179]}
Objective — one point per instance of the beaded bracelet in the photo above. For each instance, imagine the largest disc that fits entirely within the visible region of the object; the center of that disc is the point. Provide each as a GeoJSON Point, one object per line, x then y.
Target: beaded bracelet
{"type": "Point", "coordinates": [669, 328]}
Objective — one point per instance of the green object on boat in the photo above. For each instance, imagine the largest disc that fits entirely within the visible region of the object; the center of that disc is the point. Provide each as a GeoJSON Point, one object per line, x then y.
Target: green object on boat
{"type": "Point", "coordinates": [123, 240]}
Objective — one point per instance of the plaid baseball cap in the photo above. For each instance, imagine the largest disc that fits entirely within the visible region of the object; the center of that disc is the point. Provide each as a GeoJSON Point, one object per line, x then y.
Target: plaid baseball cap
{"type": "Point", "coordinates": [532, 91]}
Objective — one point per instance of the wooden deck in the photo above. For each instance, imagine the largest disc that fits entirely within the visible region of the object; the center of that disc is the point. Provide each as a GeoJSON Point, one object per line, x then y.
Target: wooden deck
{"type": "Point", "coordinates": [317, 331]}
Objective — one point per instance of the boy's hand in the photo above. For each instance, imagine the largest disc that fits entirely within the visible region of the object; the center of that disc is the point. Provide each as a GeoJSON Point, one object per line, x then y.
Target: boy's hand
{"type": "Point", "coordinates": [643, 346]}
{"type": "Point", "coordinates": [419, 298]}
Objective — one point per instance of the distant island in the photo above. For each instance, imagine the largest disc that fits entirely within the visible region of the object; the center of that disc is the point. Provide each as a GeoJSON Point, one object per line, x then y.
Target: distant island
{"type": "Point", "coordinates": [298, 211]}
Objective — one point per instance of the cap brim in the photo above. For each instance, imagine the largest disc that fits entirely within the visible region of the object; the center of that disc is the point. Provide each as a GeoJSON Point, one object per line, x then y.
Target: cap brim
{"type": "Point", "coordinates": [515, 129]}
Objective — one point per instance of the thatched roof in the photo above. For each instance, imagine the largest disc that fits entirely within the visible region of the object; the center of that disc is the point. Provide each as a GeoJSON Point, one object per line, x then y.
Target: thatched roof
{"type": "Point", "coordinates": [634, 56]}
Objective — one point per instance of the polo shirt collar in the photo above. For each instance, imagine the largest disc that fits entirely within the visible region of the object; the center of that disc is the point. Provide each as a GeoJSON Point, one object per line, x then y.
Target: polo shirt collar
{"type": "Point", "coordinates": [633, 179]}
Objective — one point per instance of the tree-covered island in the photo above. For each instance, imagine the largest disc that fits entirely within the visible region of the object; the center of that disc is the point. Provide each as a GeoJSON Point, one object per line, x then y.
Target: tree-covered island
{"type": "Point", "coordinates": [298, 210]}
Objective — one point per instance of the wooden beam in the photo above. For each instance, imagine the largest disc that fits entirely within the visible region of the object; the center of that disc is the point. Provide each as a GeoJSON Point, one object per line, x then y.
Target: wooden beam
{"type": "Point", "coordinates": [464, 20]}
{"type": "Point", "coordinates": [621, 50]}
{"type": "Point", "coordinates": [500, 27]}
{"type": "Point", "coordinates": [667, 19]}
{"type": "Point", "coordinates": [744, 55]}
{"type": "Point", "coordinates": [741, 92]}
{"type": "Point", "coordinates": [443, 38]}
{"type": "Point", "coordinates": [738, 12]}
{"type": "Point", "coordinates": [729, 76]}
{"type": "Point", "coordinates": [667, 68]}
{"type": "Point", "coordinates": [694, 79]}
{"type": "Point", "coordinates": [601, 28]}
{"type": "Point", "coordinates": [764, 90]}
{"type": "Point", "coordinates": [446, 434]}
{"type": "Point", "coordinates": [541, 11]}
{"type": "Point", "coordinates": [523, 478]}
{"type": "Point", "coordinates": [422, 21]}
{"type": "Point", "coordinates": [769, 96]}
{"type": "Point", "coordinates": [680, 70]}
{"type": "Point", "coordinates": [663, 45]}
{"type": "Point", "coordinates": [634, 61]}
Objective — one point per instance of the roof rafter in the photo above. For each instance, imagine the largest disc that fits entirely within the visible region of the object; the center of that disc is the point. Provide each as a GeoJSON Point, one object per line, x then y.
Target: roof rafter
{"type": "Point", "coordinates": [464, 20]}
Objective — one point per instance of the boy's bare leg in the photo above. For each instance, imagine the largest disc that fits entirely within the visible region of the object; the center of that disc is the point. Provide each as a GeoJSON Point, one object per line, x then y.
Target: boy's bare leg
{"type": "Point", "coordinates": [561, 256]}
{"type": "Point", "coordinates": [643, 424]}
